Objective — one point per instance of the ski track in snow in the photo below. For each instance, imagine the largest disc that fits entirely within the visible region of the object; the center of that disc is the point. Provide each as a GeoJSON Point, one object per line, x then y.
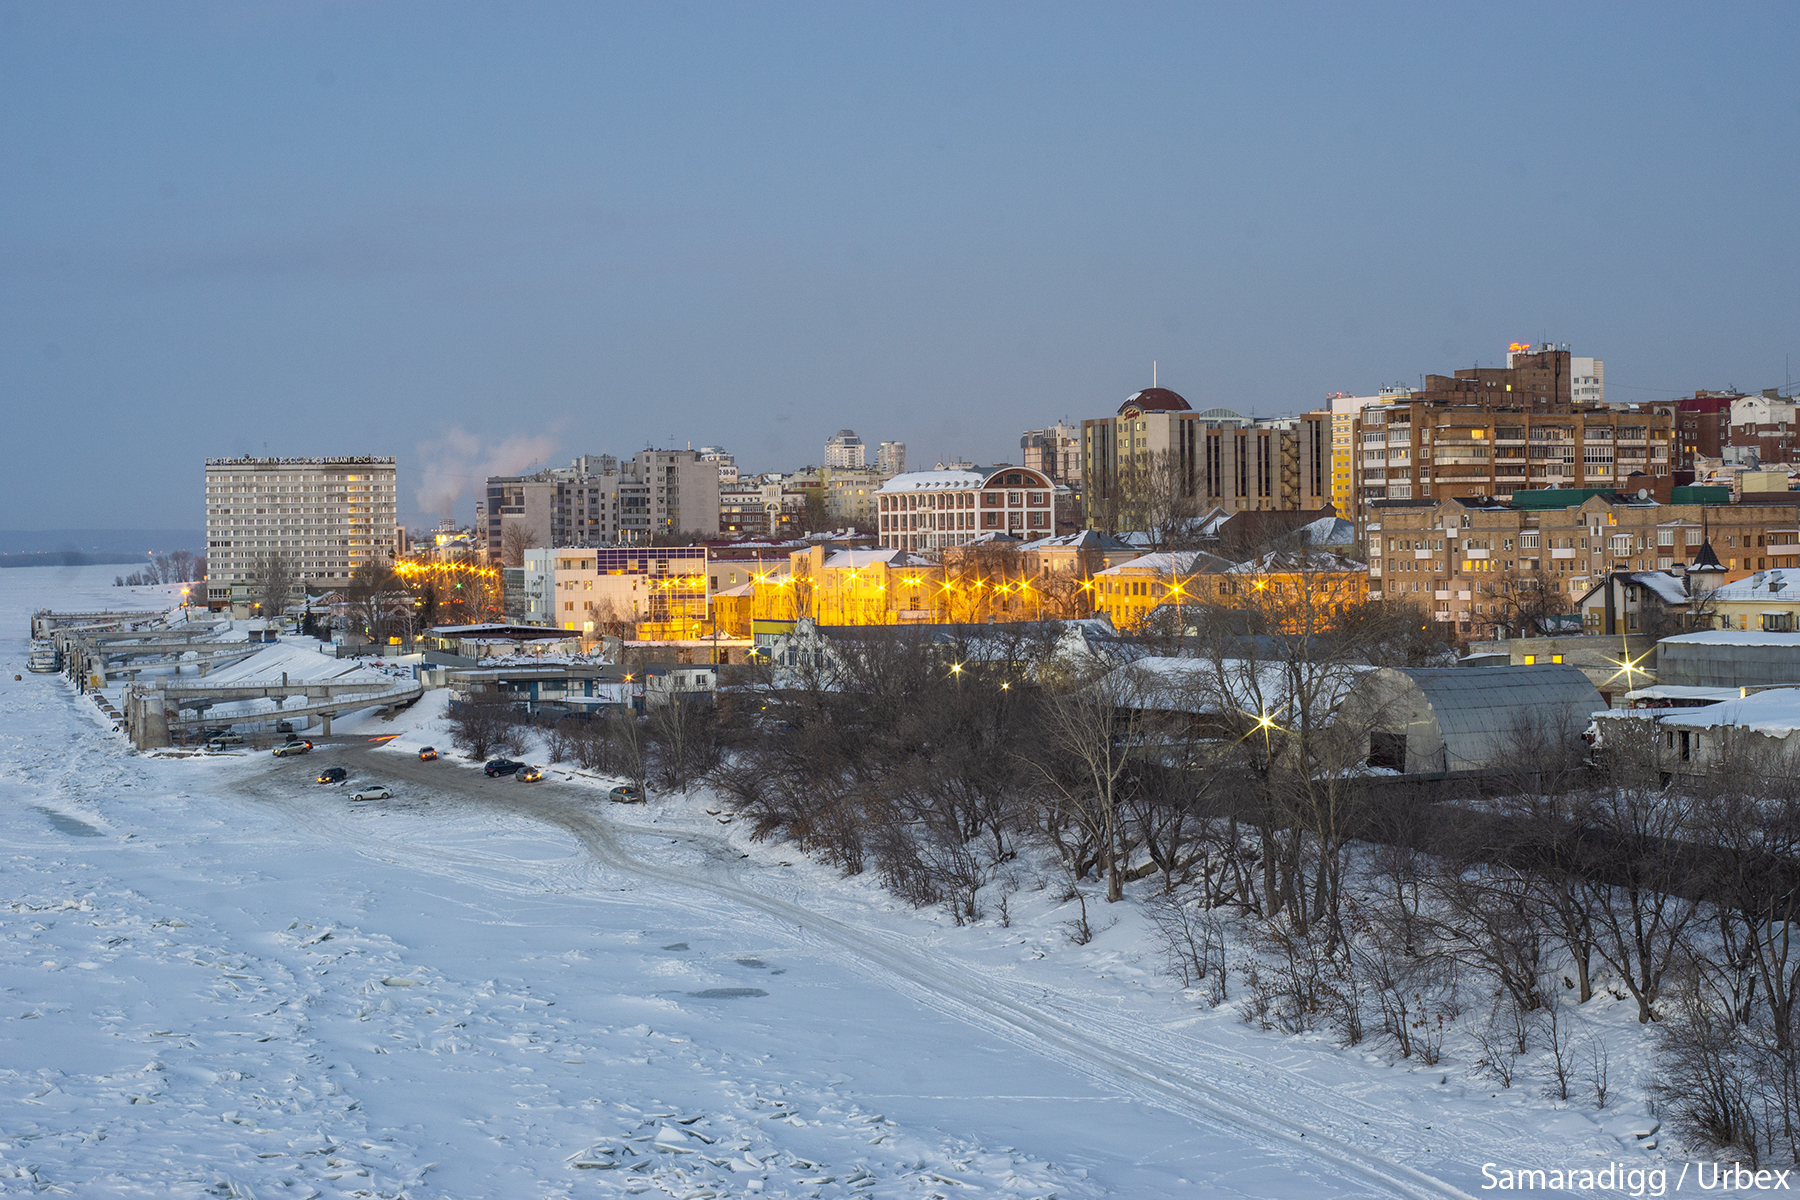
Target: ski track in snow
{"type": "Point", "coordinates": [219, 980]}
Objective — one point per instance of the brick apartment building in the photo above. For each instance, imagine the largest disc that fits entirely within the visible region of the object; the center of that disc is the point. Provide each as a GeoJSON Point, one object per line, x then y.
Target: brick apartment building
{"type": "Point", "coordinates": [1469, 560]}
{"type": "Point", "coordinates": [1417, 450]}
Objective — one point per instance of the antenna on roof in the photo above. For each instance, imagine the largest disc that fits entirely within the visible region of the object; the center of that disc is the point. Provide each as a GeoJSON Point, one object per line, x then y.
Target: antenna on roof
{"type": "Point", "coordinates": [1153, 372]}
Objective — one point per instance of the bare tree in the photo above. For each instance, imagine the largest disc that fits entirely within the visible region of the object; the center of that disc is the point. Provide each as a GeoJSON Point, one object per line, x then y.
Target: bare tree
{"type": "Point", "coordinates": [272, 582]}
{"type": "Point", "coordinates": [1154, 493]}
{"type": "Point", "coordinates": [1090, 729]}
{"type": "Point", "coordinates": [684, 742]}
{"type": "Point", "coordinates": [1532, 603]}
{"type": "Point", "coordinates": [379, 601]}
{"type": "Point", "coordinates": [515, 540]}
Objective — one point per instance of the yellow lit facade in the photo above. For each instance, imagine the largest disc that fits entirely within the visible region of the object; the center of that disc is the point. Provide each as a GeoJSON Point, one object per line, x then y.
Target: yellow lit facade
{"type": "Point", "coordinates": [1293, 595]}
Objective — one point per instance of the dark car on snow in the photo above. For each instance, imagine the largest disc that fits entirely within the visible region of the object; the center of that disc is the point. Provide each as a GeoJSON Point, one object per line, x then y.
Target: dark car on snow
{"type": "Point", "coordinates": [333, 775]}
{"type": "Point", "coordinates": [501, 766]}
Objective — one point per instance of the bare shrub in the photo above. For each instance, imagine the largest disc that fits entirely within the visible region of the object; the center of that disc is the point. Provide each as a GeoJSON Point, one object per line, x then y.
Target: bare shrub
{"type": "Point", "coordinates": [1498, 1041]}
{"type": "Point", "coordinates": [1560, 1065]}
{"type": "Point", "coordinates": [481, 724]}
{"type": "Point", "coordinates": [1595, 1059]}
{"type": "Point", "coordinates": [559, 739]}
{"type": "Point", "coordinates": [1194, 943]}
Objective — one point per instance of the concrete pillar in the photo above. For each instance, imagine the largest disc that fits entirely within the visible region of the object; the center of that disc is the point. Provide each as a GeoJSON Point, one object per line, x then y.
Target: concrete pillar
{"type": "Point", "coordinates": [149, 721]}
{"type": "Point", "coordinates": [326, 718]}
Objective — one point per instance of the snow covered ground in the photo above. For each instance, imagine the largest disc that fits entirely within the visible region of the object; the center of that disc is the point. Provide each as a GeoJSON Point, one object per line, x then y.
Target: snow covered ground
{"type": "Point", "coordinates": [219, 979]}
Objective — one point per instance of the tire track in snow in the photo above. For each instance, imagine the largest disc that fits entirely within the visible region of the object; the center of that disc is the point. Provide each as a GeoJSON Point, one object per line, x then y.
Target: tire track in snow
{"type": "Point", "coordinates": [1110, 1059]}
{"type": "Point", "coordinates": [988, 1007]}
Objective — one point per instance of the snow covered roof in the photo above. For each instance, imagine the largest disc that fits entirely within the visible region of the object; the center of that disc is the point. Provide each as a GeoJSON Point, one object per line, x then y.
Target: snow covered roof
{"type": "Point", "coordinates": [1733, 637]}
{"type": "Point", "coordinates": [1288, 560]}
{"type": "Point", "coordinates": [1328, 531]}
{"type": "Point", "coordinates": [1087, 539]}
{"type": "Point", "coordinates": [1670, 589]}
{"type": "Point", "coordinates": [1677, 691]}
{"type": "Point", "coordinates": [1254, 686]}
{"type": "Point", "coordinates": [936, 481]}
{"type": "Point", "coordinates": [1780, 583]}
{"type": "Point", "coordinates": [1173, 562]}
{"type": "Point", "coordinates": [856, 560]}
{"type": "Point", "coordinates": [1775, 712]}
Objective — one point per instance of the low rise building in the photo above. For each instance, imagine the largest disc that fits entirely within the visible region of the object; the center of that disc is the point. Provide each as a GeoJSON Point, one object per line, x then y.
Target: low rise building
{"type": "Point", "coordinates": [1768, 601]}
{"type": "Point", "coordinates": [591, 590]}
{"type": "Point", "coordinates": [933, 510]}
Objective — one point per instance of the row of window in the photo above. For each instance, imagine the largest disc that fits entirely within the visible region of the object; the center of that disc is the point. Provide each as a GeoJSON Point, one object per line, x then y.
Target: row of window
{"type": "Point", "coordinates": [965, 500]}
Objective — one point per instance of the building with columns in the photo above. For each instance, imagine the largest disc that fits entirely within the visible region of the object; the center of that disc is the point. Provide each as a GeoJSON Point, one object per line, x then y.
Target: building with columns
{"type": "Point", "coordinates": [932, 510]}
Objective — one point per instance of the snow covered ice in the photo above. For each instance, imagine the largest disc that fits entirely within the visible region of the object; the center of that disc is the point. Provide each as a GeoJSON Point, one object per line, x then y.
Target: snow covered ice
{"type": "Point", "coordinates": [219, 979]}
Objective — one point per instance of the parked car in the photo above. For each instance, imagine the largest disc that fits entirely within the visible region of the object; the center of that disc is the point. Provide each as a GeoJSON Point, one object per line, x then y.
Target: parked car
{"type": "Point", "coordinates": [284, 727]}
{"type": "Point", "coordinates": [219, 741]}
{"type": "Point", "coordinates": [501, 766]}
{"type": "Point", "coordinates": [626, 794]}
{"type": "Point", "coordinates": [297, 746]}
{"type": "Point", "coordinates": [427, 753]}
{"type": "Point", "coordinates": [376, 792]}
{"type": "Point", "coordinates": [333, 775]}
{"type": "Point", "coordinates": [529, 774]}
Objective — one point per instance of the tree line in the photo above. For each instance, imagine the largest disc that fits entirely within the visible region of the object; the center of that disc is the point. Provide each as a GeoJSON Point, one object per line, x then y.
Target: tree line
{"type": "Point", "coordinates": [179, 566]}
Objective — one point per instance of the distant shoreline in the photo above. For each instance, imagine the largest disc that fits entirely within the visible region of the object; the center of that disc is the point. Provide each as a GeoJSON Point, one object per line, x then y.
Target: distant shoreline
{"type": "Point", "coordinates": [71, 558]}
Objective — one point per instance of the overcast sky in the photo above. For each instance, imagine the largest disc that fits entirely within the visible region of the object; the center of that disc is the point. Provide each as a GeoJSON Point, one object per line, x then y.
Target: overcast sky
{"type": "Point", "coordinates": [483, 237]}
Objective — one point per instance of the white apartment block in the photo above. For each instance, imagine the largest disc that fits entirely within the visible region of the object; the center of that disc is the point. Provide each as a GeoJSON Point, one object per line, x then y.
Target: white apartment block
{"type": "Point", "coordinates": [585, 588]}
{"type": "Point", "coordinates": [890, 458]}
{"type": "Point", "coordinates": [844, 449]}
{"type": "Point", "coordinates": [327, 516]}
{"type": "Point", "coordinates": [1587, 380]}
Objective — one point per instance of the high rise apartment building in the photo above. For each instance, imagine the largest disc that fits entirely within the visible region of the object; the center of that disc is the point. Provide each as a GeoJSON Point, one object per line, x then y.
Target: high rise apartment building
{"type": "Point", "coordinates": [1415, 450]}
{"type": "Point", "coordinates": [723, 459]}
{"type": "Point", "coordinates": [1055, 451]}
{"type": "Point", "coordinates": [599, 500]}
{"type": "Point", "coordinates": [682, 491]}
{"type": "Point", "coordinates": [1344, 411]}
{"type": "Point", "coordinates": [1492, 431]}
{"type": "Point", "coordinates": [1215, 458]}
{"type": "Point", "coordinates": [566, 506]}
{"type": "Point", "coordinates": [326, 516]}
{"type": "Point", "coordinates": [1587, 380]}
{"type": "Point", "coordinates": [844, 449]}
{"type": "Point", "coordinates": [890, 458]}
